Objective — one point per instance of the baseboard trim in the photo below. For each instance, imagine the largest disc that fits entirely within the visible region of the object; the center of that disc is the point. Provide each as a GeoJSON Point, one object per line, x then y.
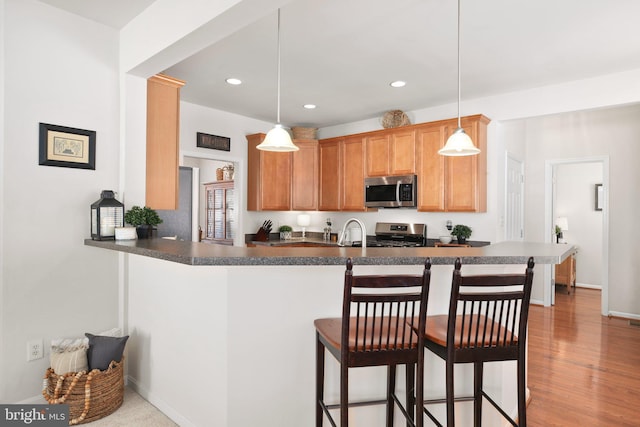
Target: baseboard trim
{"type": "Point", "coordinates": [162, 405]}
{"type": "Point", "coordinates": [627, 316]}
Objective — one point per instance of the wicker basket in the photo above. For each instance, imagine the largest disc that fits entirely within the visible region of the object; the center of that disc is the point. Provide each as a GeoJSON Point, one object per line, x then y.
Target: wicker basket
{"type": "Point", "coordinates": [304, 133]}
{"type": "Point", "coordinates": [90, 396]}
{"type": "Point", "coordinates": [394, 119]}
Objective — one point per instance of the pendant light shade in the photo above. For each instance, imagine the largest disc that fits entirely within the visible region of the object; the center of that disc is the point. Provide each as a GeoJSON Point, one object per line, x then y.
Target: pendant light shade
{"type": "Point", "coordinates": [459, 143]}
{"type": "Point", "coordinates": [278, 139]}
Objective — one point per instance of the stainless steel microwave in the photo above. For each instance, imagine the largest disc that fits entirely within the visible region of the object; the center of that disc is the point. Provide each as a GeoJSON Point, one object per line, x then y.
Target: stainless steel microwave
{"type": "Point", "coordinates": [391, 192]}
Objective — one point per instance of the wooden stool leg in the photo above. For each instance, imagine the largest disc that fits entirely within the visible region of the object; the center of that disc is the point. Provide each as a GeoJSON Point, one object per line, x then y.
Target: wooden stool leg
{"type": "Point", "coordinates": [319, 381]}
{"type": "Point", "coordinates": [451, 417]}
{"type": "Point", "coordinates": [522, 393]}
{"type": "Point", "coordinates": [410, 398]}
{"type": "Point", "coordinates": [391, 388]}
{"type": "Point", "coordinates": [477, 394]}
{"type": "Point", "coordinates": [344, 395]}
{"type": "Point", "coordinates": [420, 391]}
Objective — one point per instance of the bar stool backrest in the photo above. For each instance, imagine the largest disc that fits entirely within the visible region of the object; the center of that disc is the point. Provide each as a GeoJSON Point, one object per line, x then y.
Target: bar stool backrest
{"type": "Point", "coordinates": [378, 311]}
{"type": "Point", "coordinates": [488, 315]}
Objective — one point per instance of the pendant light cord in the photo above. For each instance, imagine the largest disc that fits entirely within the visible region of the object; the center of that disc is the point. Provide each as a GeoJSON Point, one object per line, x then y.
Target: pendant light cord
{"type": "Point", "coordinates": [459, 65]}
{"type": "Point", "coordinates": [278, 108]}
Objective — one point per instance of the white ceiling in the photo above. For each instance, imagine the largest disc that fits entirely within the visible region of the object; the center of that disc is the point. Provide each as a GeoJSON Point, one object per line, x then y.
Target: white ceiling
{"type": "Point", "coordinates": [342, 54]}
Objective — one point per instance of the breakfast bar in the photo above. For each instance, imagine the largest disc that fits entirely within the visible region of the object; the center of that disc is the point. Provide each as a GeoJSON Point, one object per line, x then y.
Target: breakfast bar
{"type": "Point", "coordinates": [234, 325]}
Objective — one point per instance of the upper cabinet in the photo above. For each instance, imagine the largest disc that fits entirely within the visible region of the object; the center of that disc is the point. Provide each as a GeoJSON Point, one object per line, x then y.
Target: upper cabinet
{"type": "Point", "coordinates": [282, 181]}
{"type": "Point", "coordinates": [269, 178]}
{"type": "Point", "coordinates": [341, 184]}
{"type": "Point", "coordinates": [163, 118]}
{"type": "Point", "coordinates": [391, 153]}
{"type": "Point", "coordinates": [328, 175]}
{"type": "Point", "coordinates": [466, 176]}
{"type": "Point", "coordinates": [451, 184]}
{"type": "Point", "coordinates": [304, 177]}
{"type": "Point", "coordinates": [431, 167]}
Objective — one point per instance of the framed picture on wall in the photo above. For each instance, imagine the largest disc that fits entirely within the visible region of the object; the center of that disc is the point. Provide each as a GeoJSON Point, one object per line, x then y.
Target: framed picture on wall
{"type": "Point", "coordinates": [599, 197]}
{"type": "Point", "coordinates": [67, 147]}
{"type": "Point", "coordinates": [214, 142]}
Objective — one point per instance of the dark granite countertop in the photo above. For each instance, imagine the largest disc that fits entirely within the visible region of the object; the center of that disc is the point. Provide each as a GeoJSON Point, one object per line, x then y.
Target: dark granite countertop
{"type": "Point", "coordinates": [192, 253]}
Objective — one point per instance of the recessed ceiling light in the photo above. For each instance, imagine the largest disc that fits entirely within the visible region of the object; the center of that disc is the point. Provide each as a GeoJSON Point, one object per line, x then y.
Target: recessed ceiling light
{"type": "Point", "coordinates": [233, 81]}
{"type": "Point", "coordinates": [397, 83]}
{"type": "Point", "coordinates": [309, 106]}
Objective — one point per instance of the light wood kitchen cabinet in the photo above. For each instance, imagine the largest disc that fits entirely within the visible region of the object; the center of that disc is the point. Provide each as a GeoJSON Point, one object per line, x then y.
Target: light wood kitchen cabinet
{"type": "Point", "coordinates": [282, 181]}
{"type": "Point", "coordinates": [352, 174]}
{"type": "Point", "coordinates": [329, 179]}
{"type": "Point", "coordinates": [466, 176]}
{"type": "Point", "coordinates": [341, 186]}
{"type": "Point", "coordinates": [451, 184]}
{"type": "Point", "coordinates": [304, 178]}
{"type": "Point", "coordinates": [566, 273]}
{"type": "Point", "coordinates": [431, 168]}
{"type": "Point", "coordinates": [268, 178]}
{"type": "Point", "coordinates": [391, 153]}
{"type": "Point", "coordinates": [163, 117]}
{"type": "Point", "coordinates": [219, 219]}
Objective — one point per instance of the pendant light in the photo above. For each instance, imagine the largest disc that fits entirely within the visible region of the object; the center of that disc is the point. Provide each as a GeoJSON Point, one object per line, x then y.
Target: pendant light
{"type": "Point", "coordinates": [459, 143]}
{"type": "Point", "coordinates": [278, 139]}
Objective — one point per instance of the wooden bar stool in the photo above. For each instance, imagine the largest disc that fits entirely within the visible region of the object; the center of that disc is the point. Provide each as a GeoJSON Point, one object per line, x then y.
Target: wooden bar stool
{"type": "Point", "coordinates": [487, 322]}
{"type": "Point", "coordinates": [374, 330]}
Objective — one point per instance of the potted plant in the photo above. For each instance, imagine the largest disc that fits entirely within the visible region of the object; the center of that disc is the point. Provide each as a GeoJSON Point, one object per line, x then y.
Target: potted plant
{"type": "Point", "coordinates": [559, 236]}
{"type": "Point", "coordinates": [462, 232]}
{"type": "Point", "coordinates": [144, 219]}
{"type": "Point", "coordinates": [285, 232]}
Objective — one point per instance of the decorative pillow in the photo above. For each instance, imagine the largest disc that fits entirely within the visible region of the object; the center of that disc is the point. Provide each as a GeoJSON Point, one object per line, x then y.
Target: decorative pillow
{"type": "Point", "coordinates": [69, 355]}
{"type": "Point", "coordinates": [69, 361]}
{"type": "Point", "coordinates": [104, 349]}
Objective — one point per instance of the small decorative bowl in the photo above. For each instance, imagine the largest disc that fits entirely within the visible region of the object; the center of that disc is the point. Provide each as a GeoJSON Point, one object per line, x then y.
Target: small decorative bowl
{"type": "Point", "coordinates": [445, 239]}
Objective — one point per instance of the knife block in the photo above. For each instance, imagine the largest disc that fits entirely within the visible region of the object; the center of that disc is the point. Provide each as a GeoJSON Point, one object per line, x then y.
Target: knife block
{"type": "Point", "coordinates": [262, 235]}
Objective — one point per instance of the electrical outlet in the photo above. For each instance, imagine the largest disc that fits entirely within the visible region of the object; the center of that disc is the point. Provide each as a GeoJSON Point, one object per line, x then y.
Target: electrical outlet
{"type": "Point", "coordinates": [35, 350]}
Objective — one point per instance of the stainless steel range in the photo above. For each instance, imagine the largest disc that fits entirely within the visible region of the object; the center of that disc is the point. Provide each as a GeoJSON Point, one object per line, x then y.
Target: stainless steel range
{"type": "Point", "coordinates": [394, 234]}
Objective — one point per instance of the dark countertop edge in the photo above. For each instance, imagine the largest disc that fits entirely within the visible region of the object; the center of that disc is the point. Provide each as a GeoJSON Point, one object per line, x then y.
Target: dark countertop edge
{"type": "Point", "coordinates": [192, 253]}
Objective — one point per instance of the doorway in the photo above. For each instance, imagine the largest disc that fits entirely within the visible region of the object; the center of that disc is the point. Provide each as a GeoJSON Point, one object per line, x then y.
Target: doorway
{"type": "Point", "coordinates": [208, 173]}
{"type": "Point", "coordinates": [570, 194]}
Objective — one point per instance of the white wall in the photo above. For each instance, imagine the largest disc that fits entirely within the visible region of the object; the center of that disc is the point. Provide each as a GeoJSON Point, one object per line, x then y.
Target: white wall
{"type": "Point", "coordinates": [611, 132]}
{"type": "Point", "coordinates": [575, 200]}
{"type": "Point", "coordinates": [58, 69]}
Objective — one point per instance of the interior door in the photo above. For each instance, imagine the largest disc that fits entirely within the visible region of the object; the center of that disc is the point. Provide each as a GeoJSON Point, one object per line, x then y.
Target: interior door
{"type": "Point", "coordinates": [514, 222]}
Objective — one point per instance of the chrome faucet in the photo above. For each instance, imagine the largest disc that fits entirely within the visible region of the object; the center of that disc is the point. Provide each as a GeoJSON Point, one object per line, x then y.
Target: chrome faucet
{"type": "Point", "coordinates": [362, 228]}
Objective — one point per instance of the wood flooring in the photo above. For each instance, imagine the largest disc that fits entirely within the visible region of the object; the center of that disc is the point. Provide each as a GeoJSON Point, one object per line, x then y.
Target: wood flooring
{"type": "Point", "coordinates": [584, 369]}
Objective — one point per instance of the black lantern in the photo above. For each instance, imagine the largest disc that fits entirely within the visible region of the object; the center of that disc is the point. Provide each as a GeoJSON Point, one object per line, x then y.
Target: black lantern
{"type": "Point", "coordinates": [106, 214]}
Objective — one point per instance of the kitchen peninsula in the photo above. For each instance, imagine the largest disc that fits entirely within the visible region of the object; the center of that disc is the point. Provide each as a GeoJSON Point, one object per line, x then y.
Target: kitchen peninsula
{"type": "Point", "coordinates": [224, 335]}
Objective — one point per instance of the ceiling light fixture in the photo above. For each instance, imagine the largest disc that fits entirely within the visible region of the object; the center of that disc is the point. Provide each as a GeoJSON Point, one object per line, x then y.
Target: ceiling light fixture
{"type": "Point", "coordinates": [397, 83]}
{"type": "Point", "coordinates": [278, 139]}
{"type": "Point", "coordinates": [233, 81]}
{"type": "Point", "coordinates": [309, 106]}
{"type": "Point", "coordinates": [459, 143]}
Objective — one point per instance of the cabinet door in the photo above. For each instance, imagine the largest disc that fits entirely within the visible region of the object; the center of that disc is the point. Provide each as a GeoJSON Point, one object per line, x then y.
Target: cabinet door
{"type": "Point", "coordinates": [163, 117]}
{"type": "Point", "coordinates": [304, 179]}
{"type": "Point", "coordinates": [466, 176]}
{"type": "Point", "coordinates": [377, 155]}
{"type": "Point", "coordinates": [268, 178]}
{"type": "Point", "coordinates": [431, 168]}
{"type": "Point", "coordinates": [275, 182]}
{"type": "Point", "coordinates": [402, 152]}
{"type": "Point", "coordinates": [330, 178]}
{"type": "Point", "coordinates": [353, 155]}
